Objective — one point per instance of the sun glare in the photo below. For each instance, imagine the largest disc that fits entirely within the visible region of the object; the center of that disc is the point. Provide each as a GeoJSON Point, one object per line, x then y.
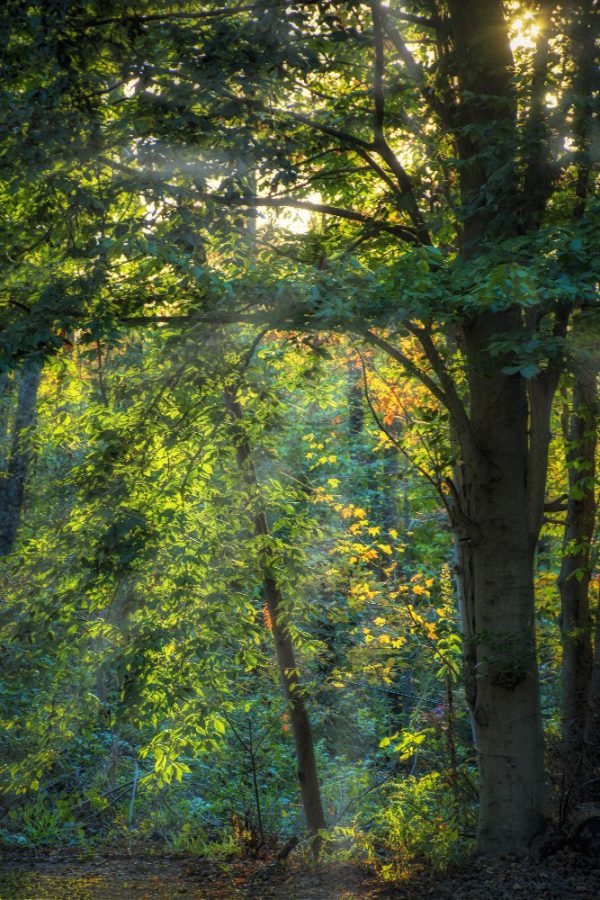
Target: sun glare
{"type": "Point", "coordinates": [524, 34]}
{"type": "Point", "coordinates": [298, 221]}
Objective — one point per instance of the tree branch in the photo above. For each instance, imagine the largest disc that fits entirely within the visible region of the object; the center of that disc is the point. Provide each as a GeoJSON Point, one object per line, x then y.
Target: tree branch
{"type": "Point", "coordinates": [406, 363]}
{"type": "Point", "coordinates": [540, 392]}
{"type": "Point", "coordinates": [378, 71]}
{"type": "Point", "coordinates": [251, 202]}
{"type": "Point", "coordinates": [339, 212]}
{"type": "Point", "coordinates": [444, 110]}
{"type": "Point", "coordinates": [337, 133]}
{"type": "Point", "coordinates": [435, 483]}
{"type": "Point", "coordinates": [558, 504]}
{"type": "Point", "coordinates": [539, 175]}
{"type": "Point", "coordinates": [454, 403]}
{"type": "Point", "coordinates": [425, 21]}
{"type": "Point", "coordinates": [162, 17]}
{"type": "Point", "coordinates": [379, 140]}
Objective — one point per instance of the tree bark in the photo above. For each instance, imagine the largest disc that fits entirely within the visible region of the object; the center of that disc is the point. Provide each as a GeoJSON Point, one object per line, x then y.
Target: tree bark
{"type": "Point", "coordinates": [289, 672]}
{"type": "Point", "coordinates": [575, 571]}
{"type": "Point", "coordinates": [13, 483]}
{"type": "Point", "coordinates": [496, 560]}
{"type": "Point", "coordinates": [592, 724]}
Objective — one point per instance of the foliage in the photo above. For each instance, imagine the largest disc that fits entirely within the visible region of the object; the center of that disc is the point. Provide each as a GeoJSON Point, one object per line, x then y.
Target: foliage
{"type": "Point", "coordinates": [307, 210]}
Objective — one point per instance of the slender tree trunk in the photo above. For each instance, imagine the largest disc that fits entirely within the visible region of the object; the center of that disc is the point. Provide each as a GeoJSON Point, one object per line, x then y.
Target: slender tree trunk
{"type": "Point", "coordinates": [13, 483]}
{"type": "Point", "coordinates": [466, 602]}
{"type": "Point", "coordinates": [290, 677]}
{"type": "Point", "coordinates": [389, 490]}
{"type": "Point", "coordinates": [288, 669]}
{"type": "Point", "coordinates": [592, 724]}
{"type": "Point", "coordinates": [5, 398]}
{"type": "Point", "coordinates": [575, 571]}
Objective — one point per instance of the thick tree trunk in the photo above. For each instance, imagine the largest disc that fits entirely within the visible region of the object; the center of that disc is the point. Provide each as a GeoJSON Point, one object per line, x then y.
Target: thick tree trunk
{"type": "Point", "coordinates": [506, 715]}
{"type": "Point", "coordinates": [14, 477]}
{"type": "Point", "coordinates": [500, 492]}
{"type": "Point", "coordinates": [466, 603]}
{"type": "Point", "coordinates": [496, 498]}
{"type": "Point", "coordinates": [575, 571]}
{"type": "Point", "coordinates": [288, 669]}
{"type": "Point", "coordinates": [496, 557]}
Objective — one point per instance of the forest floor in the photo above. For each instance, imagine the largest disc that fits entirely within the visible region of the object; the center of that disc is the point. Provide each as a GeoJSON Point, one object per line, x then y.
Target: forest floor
{"type": "Point", "coordinates": [61, 876]}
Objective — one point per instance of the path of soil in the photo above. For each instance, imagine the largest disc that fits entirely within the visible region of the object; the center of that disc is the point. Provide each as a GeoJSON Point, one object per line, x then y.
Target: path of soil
{"type": "Point", "coordinates": [60, 877]}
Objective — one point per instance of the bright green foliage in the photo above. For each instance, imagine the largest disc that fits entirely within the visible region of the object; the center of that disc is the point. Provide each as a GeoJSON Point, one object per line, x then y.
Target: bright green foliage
{"type": "Point", "coordinates": [140, 614]}
{"type": "Point", "coordinates": [152, 164]}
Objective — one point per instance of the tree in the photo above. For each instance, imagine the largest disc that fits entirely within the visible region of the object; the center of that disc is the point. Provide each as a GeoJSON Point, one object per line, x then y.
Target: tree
{"type": "Point", "coordinates": [579, 704]}
{"type": "Point", "coordinates": [447, 181]}
{"type": "Point", "coordinates": [278, 618]}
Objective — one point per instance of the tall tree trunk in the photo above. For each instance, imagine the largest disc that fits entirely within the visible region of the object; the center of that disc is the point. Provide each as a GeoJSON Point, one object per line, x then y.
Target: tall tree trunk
{"type": "Point", "coordinates": [288, 669]}
{"type": "Point", "coordinates": [498, 501]}
{"type": "Point", "coordinates": [5, 398]}
{"type": "Point", "coordinates": [14, 478]}
{"type": "Point", "coordinates": [575, 571]}
{"type": "Point", "coordinates": [592, 724]}
{"type": "Point", "coordinates": [496, 559]}
{"type": "Point", "coordinates": [581, 663]}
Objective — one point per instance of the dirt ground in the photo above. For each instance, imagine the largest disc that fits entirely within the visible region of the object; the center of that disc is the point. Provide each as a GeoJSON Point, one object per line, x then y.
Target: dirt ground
{"type": "Point", "coordinates": [41, 876]}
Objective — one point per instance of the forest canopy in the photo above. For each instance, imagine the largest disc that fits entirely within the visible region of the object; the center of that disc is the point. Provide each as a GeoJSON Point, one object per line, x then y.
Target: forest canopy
{"type": "Point", "coordinates": [298, 417]}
